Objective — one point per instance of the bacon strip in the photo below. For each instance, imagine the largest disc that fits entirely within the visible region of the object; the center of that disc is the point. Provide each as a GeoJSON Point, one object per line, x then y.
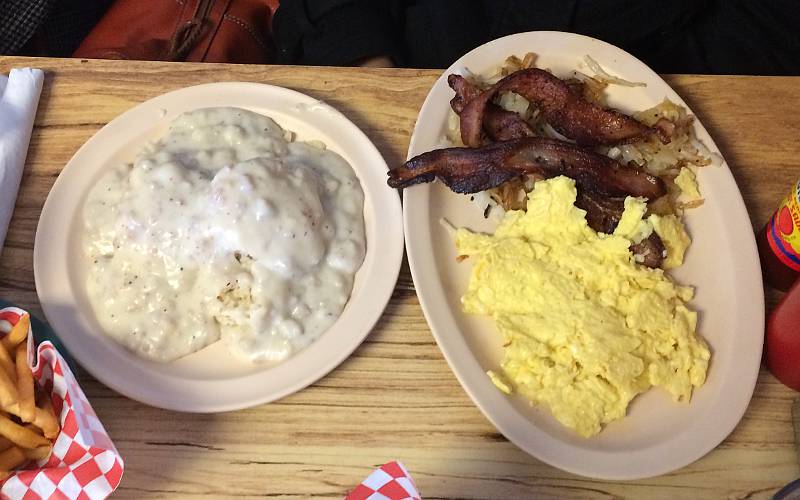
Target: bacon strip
{"type": "Point", "coordinates": [566, 111]}
{"type": "Point", "coordinates": [650, 251]}
{"type": "Point", "coordinates": [499, 124]}
{"type": "Point", "coordinates": [469, 170]}
{"type": "Point", "coordinates": [603, 215]}
{"type": "Point", "coordinates": [465, 92]}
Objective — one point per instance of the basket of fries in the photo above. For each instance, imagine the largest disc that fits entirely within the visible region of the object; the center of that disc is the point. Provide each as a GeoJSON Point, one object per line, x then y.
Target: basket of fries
{"type": "Point", "coordinates": [52, 444]}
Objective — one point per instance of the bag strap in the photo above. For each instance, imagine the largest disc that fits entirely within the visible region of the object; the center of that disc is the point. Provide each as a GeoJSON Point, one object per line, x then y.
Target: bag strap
{"type": "Point", "coordinates": [188, 34]}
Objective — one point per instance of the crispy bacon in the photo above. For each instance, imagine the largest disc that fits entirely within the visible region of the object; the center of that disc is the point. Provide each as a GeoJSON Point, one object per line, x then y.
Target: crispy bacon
{"type": "Point", "coordinates": [650, 251]}
{"type": "Point", "coordinates": [565, 110]}
{"type": "Point", "coordinates": [469, 170]}
{"type": "Point", "coordinates": [465, 92]}
{"type": "Point", "coordinates": [499, 124]}
{"type": "Point", "coordinates": [603, 215]}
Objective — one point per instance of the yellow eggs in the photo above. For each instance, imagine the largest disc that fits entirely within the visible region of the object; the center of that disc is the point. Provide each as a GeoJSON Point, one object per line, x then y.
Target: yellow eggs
{"type": "Point", "coordinates": [585, 328]}
{"type": "Point", "coordinates": [686, 180]}
{"type": "Point", "coordinates": [670, 229]}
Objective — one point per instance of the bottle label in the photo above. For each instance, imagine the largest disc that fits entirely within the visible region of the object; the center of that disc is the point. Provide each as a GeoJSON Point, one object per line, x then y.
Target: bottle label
{"type": "Point", "coordinates": [783, 230]}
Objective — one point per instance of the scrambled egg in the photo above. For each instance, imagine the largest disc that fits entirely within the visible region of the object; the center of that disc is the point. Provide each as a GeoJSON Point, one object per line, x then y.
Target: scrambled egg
{"type": "Point", "coordinates": [586, 329]}
{"type": "Point", "coordinates": [686, 180]}
{"type": "Point", "coordinates": [633, 227]}
{"type": "Point", "coordinates": [672, 233]}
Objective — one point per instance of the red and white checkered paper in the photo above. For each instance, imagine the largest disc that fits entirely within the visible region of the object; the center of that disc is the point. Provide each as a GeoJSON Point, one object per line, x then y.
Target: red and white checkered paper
{"type": "Point", "coordinates": [389, 482]}
{"type": "Point", "coordinates": [84, 463]}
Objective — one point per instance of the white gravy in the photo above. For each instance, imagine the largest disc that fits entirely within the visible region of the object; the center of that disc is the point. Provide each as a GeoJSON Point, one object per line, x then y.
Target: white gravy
{"type": "Point", "coordinates": [223, 229]}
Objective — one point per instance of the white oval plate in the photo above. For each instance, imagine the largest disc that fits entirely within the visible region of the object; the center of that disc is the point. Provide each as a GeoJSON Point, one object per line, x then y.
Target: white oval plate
{"type": "Point", "coordinates": [658, 435]}
{"type": "Point", "coordinates": [211, 380]}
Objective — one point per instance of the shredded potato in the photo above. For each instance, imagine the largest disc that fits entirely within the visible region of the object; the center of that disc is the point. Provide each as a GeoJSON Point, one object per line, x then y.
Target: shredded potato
{"type": "Point", "coordinates": [594, 90]}
{"type": "Point", "coordinates": [663, 160]}
{"type": "Point", "coordinates": [603, 75]}
{"type": "Point", "coordinates": [658, 158]}
{"type": "Point", "coordinates": [453, 133]}
{"type": "Point", "coordinates": [514, 63]}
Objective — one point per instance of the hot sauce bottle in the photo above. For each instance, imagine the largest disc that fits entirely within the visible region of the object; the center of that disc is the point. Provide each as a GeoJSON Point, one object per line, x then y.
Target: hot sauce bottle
{"type": "Point", "coordinates": [779, 248]}
{"type": "Point", "coordinates": [779, 243]}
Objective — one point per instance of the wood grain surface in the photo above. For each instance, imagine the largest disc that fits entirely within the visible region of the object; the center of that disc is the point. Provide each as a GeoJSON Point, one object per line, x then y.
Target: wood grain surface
{"type": "Point", "coordinates": [396, 397]}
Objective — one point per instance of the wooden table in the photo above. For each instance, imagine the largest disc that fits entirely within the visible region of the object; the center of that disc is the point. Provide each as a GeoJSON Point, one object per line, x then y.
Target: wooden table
{"type": "Point", "coordinates": [396, 397]}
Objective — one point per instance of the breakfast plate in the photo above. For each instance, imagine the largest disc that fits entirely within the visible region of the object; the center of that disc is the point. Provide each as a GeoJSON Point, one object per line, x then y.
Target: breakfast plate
{"type": "Point", "coordinates": [212, 380]}
{"type": "Point", "coordinates": [657, 435]}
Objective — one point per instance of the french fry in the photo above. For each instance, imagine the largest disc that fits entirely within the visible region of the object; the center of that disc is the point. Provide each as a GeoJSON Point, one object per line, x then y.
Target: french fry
{"type": "Point", "coordinates": [12, 458]}
{"type": "Point", "coordinates": [39, 453]}
{"type": "Point", "coordinates": [45, 419]}
{"type": "Point", "coordinates": [18, 402]}
{"type": "Point", "coordinates": [27, 404]}
{"type": "Point", "coordinates": [18, 333]}
{"type": "Point", "coordinates": [8, 390]}
{"type": "Point", "coordinates": [21, 436]}
{"type": "Point", "coordinates": [6, 363]}
{"type": "Point", "coordinates": [5, 443]}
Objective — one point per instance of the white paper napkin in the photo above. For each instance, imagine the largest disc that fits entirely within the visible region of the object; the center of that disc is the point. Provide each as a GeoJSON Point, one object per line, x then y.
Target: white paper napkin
{"type": "Point", "coordinates": [19, 97]}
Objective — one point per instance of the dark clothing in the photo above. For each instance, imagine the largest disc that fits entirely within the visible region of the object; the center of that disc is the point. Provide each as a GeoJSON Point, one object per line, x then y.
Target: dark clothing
{"type": "Point", "coordinates": [47, 27]}
{"type": "Point", "coordinates": [671, 36]}
{"type": "Point", "coordinates": [19, 20]}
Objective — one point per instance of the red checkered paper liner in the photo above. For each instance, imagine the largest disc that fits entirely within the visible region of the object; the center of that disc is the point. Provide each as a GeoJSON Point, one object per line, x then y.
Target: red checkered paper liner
{"type": "Point", "coordinates": [389, 482]}
{"type": "Point", "coordinates": [84, 463]}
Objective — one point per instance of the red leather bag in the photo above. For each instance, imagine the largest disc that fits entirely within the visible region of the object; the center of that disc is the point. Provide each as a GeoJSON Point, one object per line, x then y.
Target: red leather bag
{"type": "Point", "coordinates": [235, 31]}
